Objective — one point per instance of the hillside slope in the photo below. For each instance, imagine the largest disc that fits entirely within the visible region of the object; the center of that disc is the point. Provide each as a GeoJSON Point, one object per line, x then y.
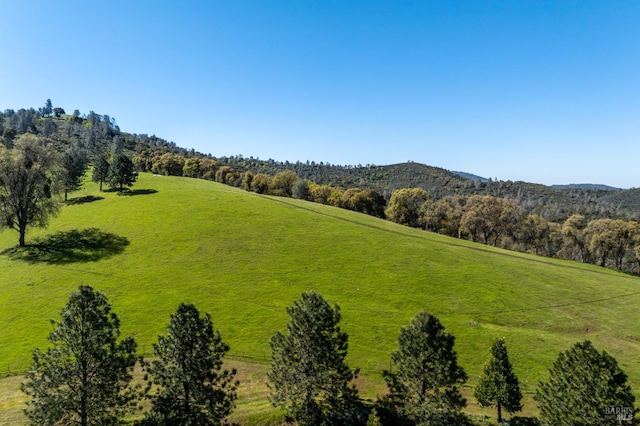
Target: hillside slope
{"type": "Point", "coordinates": [244, 258]}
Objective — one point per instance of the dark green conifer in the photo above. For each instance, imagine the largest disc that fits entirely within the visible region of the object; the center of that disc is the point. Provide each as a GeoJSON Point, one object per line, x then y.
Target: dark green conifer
{"type": "Point", "coordinates": [498, 386]}
{"type": "Point", "coordinates": [582, 384]}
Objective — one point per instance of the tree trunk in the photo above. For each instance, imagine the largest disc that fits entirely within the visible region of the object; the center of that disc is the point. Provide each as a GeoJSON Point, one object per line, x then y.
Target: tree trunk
{"type": "Point", "coordinates": [499, 413]}
{"type": "Point", "coordinates": [23, 231]}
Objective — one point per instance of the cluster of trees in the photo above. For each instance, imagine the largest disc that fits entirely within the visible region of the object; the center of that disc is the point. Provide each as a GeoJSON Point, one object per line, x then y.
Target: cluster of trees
{"type": "Point", "coordinates": [33, 174]}
{"type": "Point", "coordinates": [502, 222]}
{"type": "Point", "coordinates": [85, 375]}
{"type": "Point", "coordinates": [285, 183]}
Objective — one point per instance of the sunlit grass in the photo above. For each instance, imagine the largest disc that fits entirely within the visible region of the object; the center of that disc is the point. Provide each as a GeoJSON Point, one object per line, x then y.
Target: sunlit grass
{"type": "Point", "coordinates": [244, 258]}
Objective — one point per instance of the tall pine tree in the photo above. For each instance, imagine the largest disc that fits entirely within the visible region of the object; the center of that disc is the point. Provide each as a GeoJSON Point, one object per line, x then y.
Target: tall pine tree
{"type": "Point", "coordinates": [424, 385]}
{"type": "Point", "coordinates": [498, 386]}
{"type": "Point", "coordinates": [84, 377]}
{"type": "Point", "coordinates": [190, 386]}
{"type": "Point", "coordinates": [309, 377]}
{"type": "Point", "coordinates": [582, 384]}
{"type": "Point", "coordinates": [121, 172]}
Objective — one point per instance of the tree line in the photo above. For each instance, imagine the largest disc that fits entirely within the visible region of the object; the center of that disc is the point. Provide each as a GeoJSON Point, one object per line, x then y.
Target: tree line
{"type": "Point", "coordinates": [485, 219]}
{"type": "Point", "coordinates": [85, 375]}
{"type": "Point", "coordinates": [509, 218]}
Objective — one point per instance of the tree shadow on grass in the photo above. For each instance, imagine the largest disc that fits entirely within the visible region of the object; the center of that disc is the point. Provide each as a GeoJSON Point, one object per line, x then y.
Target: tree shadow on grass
{"type": "Point", "coordinates": [131, 192]}
{"type": "Point", "coordinates": [83, 200]}
{"type": "Point", "coordinates": [84, 245]}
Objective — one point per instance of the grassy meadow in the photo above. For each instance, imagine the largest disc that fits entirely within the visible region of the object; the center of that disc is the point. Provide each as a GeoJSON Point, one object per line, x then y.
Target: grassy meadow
{"type": "Point", "coordinates": [244, 258]}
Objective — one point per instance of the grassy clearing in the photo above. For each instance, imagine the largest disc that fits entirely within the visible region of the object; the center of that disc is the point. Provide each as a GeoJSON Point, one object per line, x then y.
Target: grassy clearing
{"type": "Point", "coordinates": [244, 258]}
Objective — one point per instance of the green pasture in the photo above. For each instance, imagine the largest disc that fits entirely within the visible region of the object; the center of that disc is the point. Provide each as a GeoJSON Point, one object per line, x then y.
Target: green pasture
{"type": "Point", "coordinates": [245, 257]}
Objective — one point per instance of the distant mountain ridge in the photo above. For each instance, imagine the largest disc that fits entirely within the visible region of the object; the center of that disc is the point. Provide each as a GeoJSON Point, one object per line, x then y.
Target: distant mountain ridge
{"type": "Point", "coordinates": [100, 133]}
{"type": "Point", "coordinates": [587, 186]}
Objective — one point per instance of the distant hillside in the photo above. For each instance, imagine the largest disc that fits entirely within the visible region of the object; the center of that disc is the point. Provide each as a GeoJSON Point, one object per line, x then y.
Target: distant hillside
{"type": "Point", "coordinates": [586, 186]}
{"type": "Point", "coordinates": [100, 132]}
{"type": "Point", "coordinates": [470, 176]}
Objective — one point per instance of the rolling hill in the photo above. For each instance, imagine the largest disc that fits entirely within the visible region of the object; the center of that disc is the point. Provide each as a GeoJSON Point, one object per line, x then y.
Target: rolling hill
{"type": "Point", "coordinates": [245, 257]}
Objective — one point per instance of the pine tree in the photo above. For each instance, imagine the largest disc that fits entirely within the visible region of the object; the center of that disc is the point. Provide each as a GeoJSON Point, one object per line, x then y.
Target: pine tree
{"type": "Point", "coordinates": [190, 386]}
{"type": "Point", "coordinates": [121, 172]}
{"type": "Point", "coordinates": [582, 384]}
{"type": "Point", "coordinates": [101, 168]}
{"type": "Point", "coordinates": [84, 377]}
{"type": "Point", "coordinates": [424, 387]}
{"type": "Point", "coordinates": [75, 162]}
{"type": "Point", "coordinates": [309, 377]}
{"type": "Point", "coordinates": [499, 386]}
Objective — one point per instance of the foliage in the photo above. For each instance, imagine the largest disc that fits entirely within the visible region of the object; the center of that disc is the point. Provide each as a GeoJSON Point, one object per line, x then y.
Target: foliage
{"type": "Point", "coordinates": [101, 168]}
{"type": "Point", "coordinates": [300, 190]}
{"type": "Point", "coordinates": [498, 386]}
{"type": "Point", "coordinates": [75, 162]}
{"type": "Point", "coordinates": [84, 377]}
{"type": "Point", "coordinates": [28, 184]}
{"type": "Point", "coordinates": [404, 206]}
{"type": "Point", "coordinates": [309, 377]}
{"type": "Point", "coordinates": [283, 182]}
{"type": "Point", "coordinates": [121, 172]}
{"type": "Point", "coordinates": [190, 388]}
{"type": "Point", "coordinates": [424, 386]}
{"type": "Point", "coordinates": [582, 383]}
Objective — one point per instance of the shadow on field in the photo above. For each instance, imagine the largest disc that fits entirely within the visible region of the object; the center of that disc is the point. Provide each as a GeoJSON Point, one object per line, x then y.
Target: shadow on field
{"type": "Point", "coordinates": [84, 245]}
{"type": "Point", "coordinates": [83, 200]}
{"type": "Point", "coordinates": [132, 192]}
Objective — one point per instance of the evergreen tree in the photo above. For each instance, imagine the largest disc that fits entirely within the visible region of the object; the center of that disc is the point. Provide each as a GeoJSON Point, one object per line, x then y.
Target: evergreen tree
{"type": "Point", "coordinates": [191, 389]}
{"type": "Point", "coordinates": [309, 377]}
{"type": "Point", "coordinates": [499, 386]}
{"type": "Point", "coordinates": [84, 377]}
{"type": "Point", "coordinates": [582, 384]}
{"type": "Point", "coordinates": [48, 108]}
{"type": "Point", "coordinates": [424, 386]}
{"type": "Point", "coordinates": [121, 172]}
{"type": "Point", "coordinates": [74, 165]}
{"type": "Point", "coordinates": [101, 168]}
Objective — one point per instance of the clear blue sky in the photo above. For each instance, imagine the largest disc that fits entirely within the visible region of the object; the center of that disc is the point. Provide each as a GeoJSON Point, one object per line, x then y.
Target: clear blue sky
{"type": "Point", "coordinates": [541, 91]}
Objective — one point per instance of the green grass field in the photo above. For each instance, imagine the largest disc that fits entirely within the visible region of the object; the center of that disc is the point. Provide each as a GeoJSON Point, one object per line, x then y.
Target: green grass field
{"type": "Point", "coordinates": [244, 258]}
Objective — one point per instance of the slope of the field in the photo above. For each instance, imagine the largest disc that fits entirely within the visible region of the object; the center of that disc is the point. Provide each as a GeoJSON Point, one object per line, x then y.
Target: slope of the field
{"type": "Point", "coordinates": [244, 258]}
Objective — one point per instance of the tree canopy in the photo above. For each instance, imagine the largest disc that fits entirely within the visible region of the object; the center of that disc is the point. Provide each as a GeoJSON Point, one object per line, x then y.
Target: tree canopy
{"type": "Point", "coordinates": [424, 385]}
{"type": "Point", "coordinates": [29, 176]}
{"type": "Point", "coordinates": [309, 376]}
{"type": "Point", "coordinates": [583, 383]}
{"type": "Point", "coordinates": [121, 172]}
{"type": "Point", "coordinates": [84, 377]}
{"type": "Point", "coordinates": [190, 387]}
{"type": "Point", "coordinates": [498, 386]}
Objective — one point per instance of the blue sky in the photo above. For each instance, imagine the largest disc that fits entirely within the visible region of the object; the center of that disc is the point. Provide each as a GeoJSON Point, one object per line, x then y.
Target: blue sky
{"type": "Point", "coordinates": [540, 91]}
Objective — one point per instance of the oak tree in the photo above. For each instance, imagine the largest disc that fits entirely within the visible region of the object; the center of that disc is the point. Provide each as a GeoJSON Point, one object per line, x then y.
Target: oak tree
{"type": "Point", "coordinates": [29, 183]}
